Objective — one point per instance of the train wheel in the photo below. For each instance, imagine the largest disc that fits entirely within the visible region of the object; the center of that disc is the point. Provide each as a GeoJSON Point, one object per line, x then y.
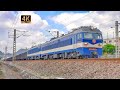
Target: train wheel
{"type": "Point", "coordinates": [80, 57]}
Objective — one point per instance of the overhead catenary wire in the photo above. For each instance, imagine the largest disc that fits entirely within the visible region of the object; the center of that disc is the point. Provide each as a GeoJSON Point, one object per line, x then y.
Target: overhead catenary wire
{"type": "Point", "coordinates": [16, 19]}
{"type": "Point", "coordinates": [15, 36]}
{"type": "Point", "coordinates": [67, 25]}
{"type": "Point", "coordinates": [100, 24]}
{"type": "Point", "coordinates": [106, 22]}
{"type": "Point", "coordinates": [74, 20]}
{"type": "Point", "coordinates": [86, 16]}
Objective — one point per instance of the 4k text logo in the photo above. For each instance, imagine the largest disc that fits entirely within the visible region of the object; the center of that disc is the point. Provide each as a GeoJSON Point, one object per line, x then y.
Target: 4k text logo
{"type": "Point", "coordinates": [25, 18]}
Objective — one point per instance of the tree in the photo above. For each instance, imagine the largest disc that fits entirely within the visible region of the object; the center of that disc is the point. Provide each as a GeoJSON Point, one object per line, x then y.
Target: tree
{"type": "Point", "coordinates": [109, 49]}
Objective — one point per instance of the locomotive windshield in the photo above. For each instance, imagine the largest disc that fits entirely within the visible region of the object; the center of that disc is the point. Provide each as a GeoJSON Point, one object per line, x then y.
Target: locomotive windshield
{"type": "Point", "coordinates": [88, 35]}
{"type": "Point", "coordinates": [97, 36]}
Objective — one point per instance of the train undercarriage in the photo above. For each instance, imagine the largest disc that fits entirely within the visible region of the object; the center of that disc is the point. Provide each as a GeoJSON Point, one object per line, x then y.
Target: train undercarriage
{"type": "Point", "coordinates": [69, 55]}
{"type": "Point", "coordinates": [65, 55]}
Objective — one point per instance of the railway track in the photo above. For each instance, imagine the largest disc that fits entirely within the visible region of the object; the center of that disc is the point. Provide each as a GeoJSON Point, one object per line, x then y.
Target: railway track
{"type": "Point", "coordinates": [75, 59]}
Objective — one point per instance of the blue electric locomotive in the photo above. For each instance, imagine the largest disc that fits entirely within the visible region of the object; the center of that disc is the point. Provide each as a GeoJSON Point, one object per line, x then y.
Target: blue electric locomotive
{"type": "Point", "coordinates": [82, 42]}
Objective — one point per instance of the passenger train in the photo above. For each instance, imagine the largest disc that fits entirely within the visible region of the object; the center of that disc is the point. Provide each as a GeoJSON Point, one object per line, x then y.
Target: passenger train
{"type": "Point", "coordinates": [82, 42]}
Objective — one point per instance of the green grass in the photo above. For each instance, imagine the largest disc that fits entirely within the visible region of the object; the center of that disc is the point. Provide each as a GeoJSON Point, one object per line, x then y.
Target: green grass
{"type": "Point", "coordinates": [1, 72]}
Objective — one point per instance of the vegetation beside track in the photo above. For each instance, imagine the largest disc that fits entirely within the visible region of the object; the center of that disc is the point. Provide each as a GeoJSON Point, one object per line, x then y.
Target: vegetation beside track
{"type": "Point", "coordinates": [1, 73]}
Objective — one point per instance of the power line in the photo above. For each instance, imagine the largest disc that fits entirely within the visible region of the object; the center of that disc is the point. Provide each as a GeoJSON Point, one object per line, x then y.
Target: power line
{"type": "Point", "coordinates": [75, 20]}
{"type": "Point", "coordinates": [93, 18]}
{"type": "Point", "coordinates": [66, 25]}
{"type": "Point", "coordinates": [80, 18]}
{"type": "Point", "coordinates": [16, 19]}
{"type": "Point", "coordinates": [15, 36]}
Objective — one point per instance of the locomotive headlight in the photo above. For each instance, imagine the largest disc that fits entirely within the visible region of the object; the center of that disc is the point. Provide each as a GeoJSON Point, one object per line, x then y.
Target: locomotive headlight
{"type": "Point", "coordinates": [86, 43]}
{"type": "Point", "coordinates": [100, 44]}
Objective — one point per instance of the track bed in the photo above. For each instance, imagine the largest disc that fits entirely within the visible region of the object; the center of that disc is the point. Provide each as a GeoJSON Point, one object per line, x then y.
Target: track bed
{"type": "Point", "coordinates": [73, 68]}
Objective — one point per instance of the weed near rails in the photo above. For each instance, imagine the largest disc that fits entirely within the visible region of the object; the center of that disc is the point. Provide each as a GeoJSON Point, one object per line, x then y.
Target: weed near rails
{"type": "Point", "coordinates": [1, 72]}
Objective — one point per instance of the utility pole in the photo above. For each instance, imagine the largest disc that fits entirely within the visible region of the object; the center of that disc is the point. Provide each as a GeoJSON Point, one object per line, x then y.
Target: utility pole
{"type": "Point", "coordinates": [117, 38]}
{"type": "Point", "coordinates": [14, 45]}
{"type": "Point", "coordinates": [113, 35]}
{"type": "Point", "coordinates": [107, 38]}
{"type": "Point", "coordinates": [15, 36]}
{"type": "Point", "coordinates": [5, 56]}
{"type": "Point", "coordinates": [113, 38]}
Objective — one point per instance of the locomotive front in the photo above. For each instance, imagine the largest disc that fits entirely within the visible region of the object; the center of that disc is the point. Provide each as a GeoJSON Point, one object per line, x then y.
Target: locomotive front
{"type": "Point", "coordinates": [92, 43]}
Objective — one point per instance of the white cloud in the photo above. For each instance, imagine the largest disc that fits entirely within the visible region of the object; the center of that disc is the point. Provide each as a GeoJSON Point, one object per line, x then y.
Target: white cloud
{"type": "Point", "coordinates": [2, 45]}
{"type": "Point", "coordinates": [35, 39]}
{"type": "Point", "coordinates": [66, 18]}
{"type": "Point", "coordinates": [100, 19]}
{"type": "Point", "coordinates": [10, 19]}
{"type": "Point", "coordinates": [36, 22]}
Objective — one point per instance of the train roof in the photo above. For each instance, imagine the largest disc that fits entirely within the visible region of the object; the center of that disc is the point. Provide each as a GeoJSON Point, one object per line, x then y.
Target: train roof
{"type": "Point", "coordinates": [86, 29]}
{"type": "Point", "coordinates": [74, 31]}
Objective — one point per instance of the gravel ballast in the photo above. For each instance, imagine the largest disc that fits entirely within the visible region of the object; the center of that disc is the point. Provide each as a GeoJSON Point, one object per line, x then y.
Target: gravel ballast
{"type": "Point", "coordinates": [72, 69]}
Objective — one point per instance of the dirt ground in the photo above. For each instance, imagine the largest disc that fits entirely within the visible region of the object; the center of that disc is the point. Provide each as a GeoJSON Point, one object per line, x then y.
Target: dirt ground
{"type": "Point", "coordinates": [8, 73]}
{"type": "Point", "coordinates": [1, 72]}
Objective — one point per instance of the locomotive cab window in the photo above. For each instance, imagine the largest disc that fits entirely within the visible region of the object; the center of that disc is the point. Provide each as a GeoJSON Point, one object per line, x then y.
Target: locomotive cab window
{"type": "Point", "coordinates": [97, 36]}
{"type": "Point", "coordinates": [88, 35]}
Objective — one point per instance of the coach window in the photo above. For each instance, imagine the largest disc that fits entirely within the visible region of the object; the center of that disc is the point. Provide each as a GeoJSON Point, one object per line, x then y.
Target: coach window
{"type": "Point", "coordinates": [79, 36]}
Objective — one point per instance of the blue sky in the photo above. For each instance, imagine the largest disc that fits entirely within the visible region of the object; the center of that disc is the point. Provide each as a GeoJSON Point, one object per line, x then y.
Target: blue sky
{"type": "Point", "coordinates": [44, 14]}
